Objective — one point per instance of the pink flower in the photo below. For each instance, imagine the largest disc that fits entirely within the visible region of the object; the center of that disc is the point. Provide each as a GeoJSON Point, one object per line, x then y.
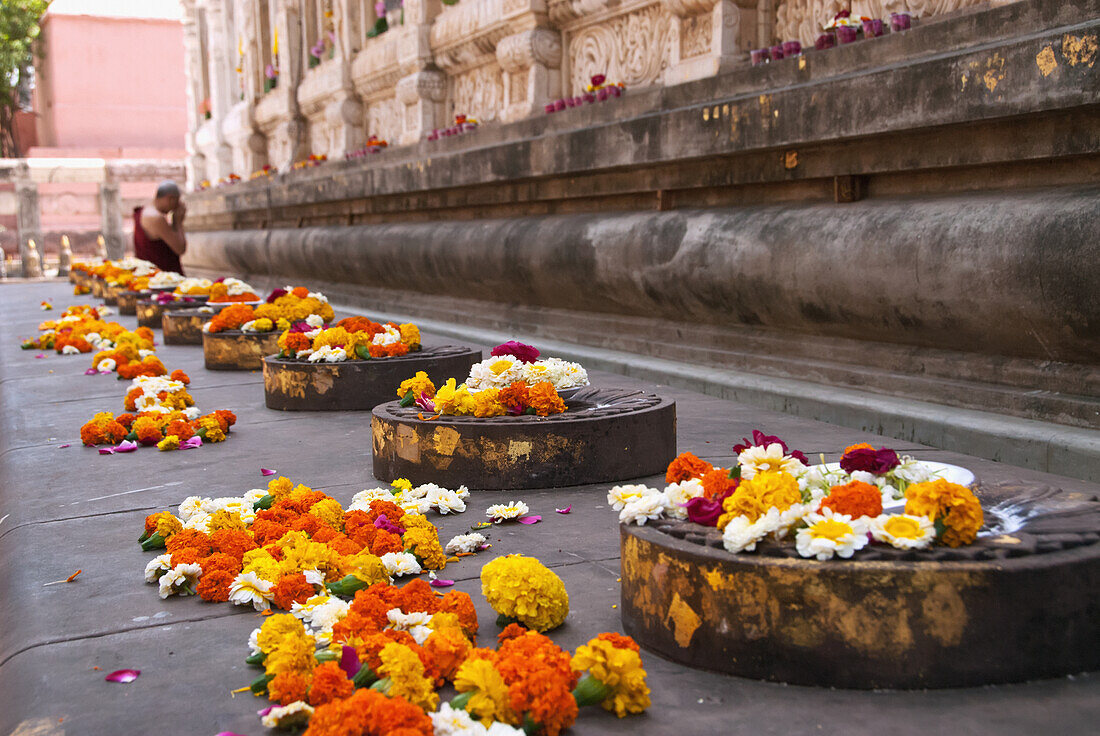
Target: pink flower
{"type": "Point", "coordinates": [424, 402]}
{"type": "Point", "coordinates": [524, 353]}
{"type": "Point", "coordinates": [598, 79]}
{"type": "Point", "coordinates": [703, 511]}
{"type": "Point", "coordinates": [385, 524]}
{"type": "Point", "coordinates": [276, 294]}
{"type": "Point", "coordinates": [759, 439]}
{"type": "Point", "coordinates": [872, 461]}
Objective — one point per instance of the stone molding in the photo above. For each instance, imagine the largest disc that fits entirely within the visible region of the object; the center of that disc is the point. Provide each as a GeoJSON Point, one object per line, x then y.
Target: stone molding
{"type": "Point", "coordinates": [493, 59]}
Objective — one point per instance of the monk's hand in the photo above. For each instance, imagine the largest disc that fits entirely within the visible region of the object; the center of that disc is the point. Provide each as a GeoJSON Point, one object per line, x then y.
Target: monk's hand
{"type": "Point", "coordinates": [178, 214]}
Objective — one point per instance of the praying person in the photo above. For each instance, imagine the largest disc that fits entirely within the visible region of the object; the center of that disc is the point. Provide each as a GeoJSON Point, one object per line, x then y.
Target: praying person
{"type": "Point", "coordinates": [158, 229]}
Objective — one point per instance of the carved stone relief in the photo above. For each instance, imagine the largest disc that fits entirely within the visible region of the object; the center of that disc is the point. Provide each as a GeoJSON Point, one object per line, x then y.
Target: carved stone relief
{"type": "Point", "coordinates": [479, 92]}
{"type": "Point", "coordinates": [803, 19]}
{"type": "Point", "coordinates": [696, 35]}
{"type": "Point", "coordinates": [634, 49]}
{"type": "Point", "coordinates": [386, 119]}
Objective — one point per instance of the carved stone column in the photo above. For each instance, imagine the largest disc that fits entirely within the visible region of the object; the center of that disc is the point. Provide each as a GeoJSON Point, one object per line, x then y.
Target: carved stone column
{"type": "Point", "coordinates": [193, 61]}
{"type": "Point", "coordinates": [710, 36]}
{"type": "Point", "coordinates": [531, 61]}
{"type": "Point", "coordinates": [28, 223]}
{"type": "Point", "coordinates": [223, 95]}
{"type": "Point", "coordinates": [110, 219]}
{"type": "Point", "coordinates": [239, 128]}
{"type": "Point", "coordinates": [291, 52]}
{"type": "Point", "coordinates": [422, 90]}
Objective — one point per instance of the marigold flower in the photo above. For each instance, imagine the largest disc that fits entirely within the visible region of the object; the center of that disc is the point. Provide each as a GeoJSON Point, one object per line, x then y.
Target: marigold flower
{"type": "Point", "coordinates": [544, 399]}
{"type": "Point", "coordinates": [372, 713]}
{"type": "Point", "coordinates": [686, 466]}
{"type": "Point", "coordinates": [425, 545]}
{"type": "Point", "coordinates": [854, 499]}
{"type": "Point", "coordinates": [447, 649]}
{"type": "Point", "coordinates": [489, 699]}
{"type": "Point", "coordinates": [288, 687]}
{"type": "Point", "coordinates": [755, 496]}
{"type": "Point", "coordinates": [171, 442]}
{"type": "Point", "coordinates": [403, 668]}
{"type": "Point", "coordinates": [619, 680]}
{"type": "Point", "coordinates": [418, 384]}
{"type": "Point", "coordinates": [523, 589]}
{"type": "Point", "coordinates": [214, 585]}
{"type": "Point", "coordinates": [950, 506]}
{"type": "Point", "coordinates": [717, 482]}
{"type": "Point", "coordinates": [329, 683]}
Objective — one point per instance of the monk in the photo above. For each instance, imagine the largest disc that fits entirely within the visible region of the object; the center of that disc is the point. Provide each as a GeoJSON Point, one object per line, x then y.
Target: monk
{"type": "Point", "coordinates": [158, 229]}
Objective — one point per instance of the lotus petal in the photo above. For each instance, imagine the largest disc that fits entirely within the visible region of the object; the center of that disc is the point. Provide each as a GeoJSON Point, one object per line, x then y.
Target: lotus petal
{"type": "Point", "coordinates": [566, 510]}
{"type": "Point", "coordinates": [439, 583]}
{"type": "Point", "coordinates": [123, 676]}
{"type": "Point", "coordinates": [91, 372]}
{"type": "Point", "coordinates": [529, 519]}
{"type": "Point", "coordinates": [265, 471]}
{"type": "Point", "coordinates": [349, 662]}
{"type": "Point", "coordinates": [106, 451]}
{"type": "Point", "coordinates": [62, 447]}
{"type": "Point", "coordinates": [126, 446]}
{"type": "Point", "coordinates": [192, 443]}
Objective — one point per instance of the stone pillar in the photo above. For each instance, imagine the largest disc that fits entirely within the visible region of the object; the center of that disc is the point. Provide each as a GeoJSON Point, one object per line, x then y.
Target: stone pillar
{"type": "Point", "coordinates": [193, 61]}
{"type": "Point", "coordinates": [531, 61]}
{"type": "Point", "coordinates": [710, 36]}
{"type": "Point", "coordinates": [291, 52]}
{"type": "Point", "coordinates": [65, 257]}
{"type": "Point", "coordinates": [110, 219]}
{"type": "Point", "coordinates": [28, 224]}
{"type": "Point", "coordinates": [423, 89]}
{"type": "Point", "coordinates": [223, 90]}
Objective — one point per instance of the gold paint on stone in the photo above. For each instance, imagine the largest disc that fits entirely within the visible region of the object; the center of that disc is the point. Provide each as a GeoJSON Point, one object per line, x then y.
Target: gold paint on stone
{"type": "Point", "coordinates": [1079, 50]}
{"type": "Point", "coordinates": [706, 114]}
{"type": "Point", "coordinates": [1007, 539]}
{"type": "Point", "coordinates": [407, 444]}
{"type": "Point", "coordinates": [790, 160]}
{"type": "Point", "coordinates": [1046, 61]}
{"type": "Point", "coordinates": [684, 620]}
{"type": "Point", "coordinates": [518, 449]}
{"type": "Point", "coordinates": [445, 440]}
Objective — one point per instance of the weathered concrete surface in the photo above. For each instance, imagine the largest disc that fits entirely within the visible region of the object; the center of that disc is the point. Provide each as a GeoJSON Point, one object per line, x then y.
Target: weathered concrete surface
{"type": "Point", "coordinates": [68, 509]}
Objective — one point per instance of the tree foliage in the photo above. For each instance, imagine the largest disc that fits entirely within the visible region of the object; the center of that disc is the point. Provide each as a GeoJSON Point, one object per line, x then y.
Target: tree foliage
{"type": "Point", "coordinates": [18, 31]}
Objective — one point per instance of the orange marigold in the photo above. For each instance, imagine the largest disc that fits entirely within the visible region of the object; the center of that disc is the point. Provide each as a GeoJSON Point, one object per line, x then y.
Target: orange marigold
{"type": "Point", "coordinates": [178, 375]}
{"type": "Point", "coordinates": [544, 399]}
{"type": "Point", "coordinates": [854, 499]}
{"type": "Point", "coordinates": [286, 687]}
{"type": "Point", "coordinates": [717, 481]}
{"type": "Point", "coordinates": [461, 605]}
{"type": "Point", "coordinates": [232, 542]}
{"type": "Point", "coordinates": [181, 429]}
{"type": "Point", "coordinates": [214, 586]}
{"type": "Point", "coordinates": [619, 641]}
{"type": "Point", "coordinates": [329, 683]}
{"type": "Point", "coordinates": [189, 538]}
{"type": "Point", "coordinates": [446, 649]}
{"type": "Point", "coordinates": [685, 467]}
{"type": "Point", "coordinates": [291, 589]}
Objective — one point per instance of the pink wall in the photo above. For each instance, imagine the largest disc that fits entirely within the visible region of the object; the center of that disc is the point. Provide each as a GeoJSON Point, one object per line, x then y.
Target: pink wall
{"type": "Point", "coordinates": [111, 83]}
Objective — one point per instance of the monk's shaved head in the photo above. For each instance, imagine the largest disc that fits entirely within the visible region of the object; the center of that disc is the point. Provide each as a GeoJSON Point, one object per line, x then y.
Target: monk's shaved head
{"type": "Point", "coordinates": [168, 189]}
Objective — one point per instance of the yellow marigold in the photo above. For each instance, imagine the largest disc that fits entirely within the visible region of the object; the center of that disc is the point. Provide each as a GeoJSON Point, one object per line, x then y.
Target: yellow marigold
{"type": "Point", "coordinates": [301, 553]}
{"type": "Point", "coordinates": [214, 434]}
{"type": "Point", "coordinates": [523, 589]}
{"type": "Point", "coordinates": [755, 496]}
{"type": "Point", "coordinates": [416, 521]}
{"type": "Point", "coordinates": [171, 442]}
{"type": "Point", "coordinates": [410, 335]}
{"type": "Point", "coordinates": [402, 484]}
{"type": "Point", "coordinates": [263, 324]}
{"type": "Point", "coordinates": [953, 508]}
{"type": "Point", "coordinates": [454, 400]}
{"type": "Point", "coordinates": [279, 487]}
{"type": "Point", "coordinates": [365, 567]}
{"type": "Point", "coordinates": [224, 519]}
{"type": "Point", "coordinates": [292, 653]}
{"type": "Point", "coordinates": [263, 564]}
{"type": "Point", "coordinates": [489, 700]}
{"type": "Point", "coordinates": [276, 628]}
{"type": "Point", "coordinates": [403, 668]}
{"type": "Point", "coordinates": [282, 324]}
{"type": "Point", "coordinates": [486, 403]}
{"type": "Point", "coordinates": [167, 525]}
{"type": "Point", "coordinates": [618, 674]}
{"type": "Point", "coordinates": [425, 545]}
{"type": "Point", "coordinates": [332, 337]}
{"type": "Point", "coordinates": [418, 384]}
{"type": "Point", "coordinates": [330, 512]}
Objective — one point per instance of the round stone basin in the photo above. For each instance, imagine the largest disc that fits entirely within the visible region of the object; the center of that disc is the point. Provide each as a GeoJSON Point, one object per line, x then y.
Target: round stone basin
{"type": "Point", "coordinates": [1021, 603]}
{"type": "Point", "coordinates": [606, 434]}
{"type": "Point", "coordinates": [233, 350]}
{"type": "Point", "coordinates": [356, 385]}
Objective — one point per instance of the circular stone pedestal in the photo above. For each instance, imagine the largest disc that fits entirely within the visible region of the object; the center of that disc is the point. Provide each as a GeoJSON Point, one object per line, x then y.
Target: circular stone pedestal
{"type": "Point", "coordinates": [605, 435]}
{"type": "Point", "coordinates": [111, 295]}
{"type": "Point", "coordinates": [183, 326]}
{"type": "Point", "coordinates": [1021, 603]}
{"type": "Point", "coordinates": [98, 286]}
{"type": "Point", "coordinates": [356, 385]}
{"type": "Point", "coordinates": [128, 300]}
{"type": "Point", "coordinates": [233, 350]}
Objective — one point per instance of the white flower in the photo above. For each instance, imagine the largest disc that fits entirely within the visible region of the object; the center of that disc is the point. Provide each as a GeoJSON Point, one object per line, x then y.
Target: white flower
{"type": "Point", "coordinates": [796, 513]}
{"type": "Point", "coordinates": [828, 534]}
{"type": "Point", "coordinates": [191, 413]}
{"type": "Point", "coordinates": [313, 333]}
{"type": "Point", "coordinates": [741, 533]}
{"type": "Point", "coordinates": [678, 494]}
{"type": "Point", "coordinates": [766, 459]}
{"type": "Point", "coordinates": [199, 522]}
{"type": "Point", "coordinates": [361, 500]}
{"type": "Point", "coordinates": [388, 336]}
{"type": "Point", "coordinates": [191, 506]}
{"type": "Point", "coordinates": [903, 531]}
{"type": "Point", "coordinates": [318, 296]}
{"type": "Point", "coordinates": [70, 350]}
{"type": "Point", "coordinates": [143, 354]}
{"type": "Point", "coordinates": [448, 721]}
{"type": "Point", "coordinates": [236, 287]}
{"type": "Point", "coordinates": [620, 496]}
{"type": "Point", "coordinates": [400, 563]}
{"type": "Point", "coordinates": [645, 508]}
{"type": "Point", "coordinates": [180, 579]}
{"type": "Point", "coordinates": [911, 471]}
{"type": "Point", "coordinates": [314, 577]}
{"type": "Point", "coordinates": [498, 371]}
{"type": "Point", "coordinates": [503, 729]}
{"type": "Point", "coordinates": [505, 511]}
{"type": "Point", "coordinates": [253, 496]}
{"type": "Point", "coordinates": [296, 714]}
{"type": "Point", "coordinates": [415, 623]}
{"type": "Point", "coordinates": [164, 279]}
{"type": "Point", "coordinates": [107, 364]}
{"type": "Point", "coordinates": [865, 477]}
{"type": "Point", "coordinates": [254, 642]}
{"type": "Point", "coordinates": [157, 566]}
{"type": "Point", "coordinates": [321, 611]}
{"type": "Point", "coordinates": [446, 502]}
{"type": "Point", "coordinates": [303, 353]}
{"type": "Point", "coordinates": [328, 354]}
{"type": "Point", "coordinates": [248, 587]}
{"type": "Point", "coordinates": [464, 543]}
{"type": "Point", "coordinates": [249, 326]}
{"type": "Point", "coordinates": [560, 373]}
{"type": "Point", "coordinates": [462, 492]}
{"type": "Point", "coordinates": [315, 321]}
{"type": "Point", "coordinates": [193, 284]}
{"type": "Point", "coordinates": [412, 505]}
{"type": "Point", "coordinates": [422, 491]}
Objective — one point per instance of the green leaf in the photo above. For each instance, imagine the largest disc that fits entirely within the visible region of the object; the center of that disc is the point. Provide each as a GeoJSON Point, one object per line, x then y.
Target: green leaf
{"type": "Point", "coordinates": [363, 352]}
{"type": "Point", "coordinates": [409, 399]}
{"type": "Point", "coordinates": [154, 542]}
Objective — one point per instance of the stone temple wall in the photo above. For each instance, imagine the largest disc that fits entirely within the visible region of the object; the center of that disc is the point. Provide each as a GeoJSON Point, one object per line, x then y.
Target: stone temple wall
{"type": "Point", "coordinates": [495, 60]}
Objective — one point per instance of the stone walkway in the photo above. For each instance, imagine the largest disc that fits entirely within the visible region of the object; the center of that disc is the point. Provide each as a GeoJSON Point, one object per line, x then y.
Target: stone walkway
{"type": "Point", "coordinates": [68, 509]}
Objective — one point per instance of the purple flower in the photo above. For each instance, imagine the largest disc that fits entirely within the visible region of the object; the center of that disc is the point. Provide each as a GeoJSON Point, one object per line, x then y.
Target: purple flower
{"type": "Point", "coordinates": [598, 79]}
{"type": "Point", "coordinates": [269, 72]}
{"type": "Point", "coordinates": [301, 326]}
{"type": "Point", "coordinates": [524, 353]}
{"type": "Point", "coordinates": [759, 439]}
{"type": "Point", "coordinates": [703, 511]}
{"type": "Point", "coordinates": [871, 461]}
{"type": "Point", "coordinates": [275, 294]}
{"type": "Point", "coordinates": [385, 524]}
{"type": "Point", "coordinates": [424, 402]}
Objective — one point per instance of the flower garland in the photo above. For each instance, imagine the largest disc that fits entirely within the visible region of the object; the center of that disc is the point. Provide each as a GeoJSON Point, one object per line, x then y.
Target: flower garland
{"type": "Point", "coordinates": [282, 310]}
{"type": "Point", "coordinates": [230, 290]}
{"type": "Point", "coordinates": [80, 329]}
{"type": "Point", "coordinates": [352, 338]}
{"type": "Point", "coordinates": [453, 399]}
{"type": "Point", "coordinates": [772, 492]}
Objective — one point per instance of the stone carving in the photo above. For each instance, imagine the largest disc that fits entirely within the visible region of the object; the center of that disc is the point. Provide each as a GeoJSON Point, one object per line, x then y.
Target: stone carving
{"type": "Point", "coordinates": [466, 35]}
{"type": "Point", "coordinates": [803, 19]}
{"type": "Point", "coordinates": [696, 35]}
{"type": "Point", "coordinates": [386, 119]}
{"type": "Point", "coordinates": [537, 46]}
{"type": "Point", "coordinates": [634, 48]}
{"type": "Point", "coordinates": [479, 92]}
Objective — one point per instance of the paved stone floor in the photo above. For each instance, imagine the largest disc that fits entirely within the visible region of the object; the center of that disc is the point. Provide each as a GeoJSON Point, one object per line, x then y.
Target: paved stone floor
{"type": "Point", "coordinates": [68, 509]}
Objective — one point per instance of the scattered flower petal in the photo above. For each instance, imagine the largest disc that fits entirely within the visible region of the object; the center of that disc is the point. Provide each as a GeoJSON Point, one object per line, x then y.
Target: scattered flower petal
{"type": "Point", "coordinates": [123, 676]}
{"type": "Point", "coordinates": [349, 663]}
{"type": "Point", "coordinates": [264, 711]}
{"type": "Point", "coordinates": [529, 519]}
{"type": "Point", "coordinates": [440, 583]}
{"type": "Point", "coordinates": [192, 443]}
{"type": "Point", "coordinates": [566, 510]}
{"type": "Point", "coordinates": [126, 446]}
{"type": "Point", "coordinates": [91, 372]}
{"type": "Point", "coordinates": [40, 355]}
{"type": "Point", "coordinates": [265, 471]}
{"type": "Point", "coordinates": [62, 447]}
{"type": "Point", "coordinates": [106, 451]}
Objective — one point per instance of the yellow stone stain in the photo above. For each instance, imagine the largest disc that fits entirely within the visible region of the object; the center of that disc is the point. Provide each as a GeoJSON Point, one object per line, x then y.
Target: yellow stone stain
{"type": "Point", "coordinates": [1079, 51]}
{"type": "Point", "coordinates": [706, 114]}
{"type": "Point", "coordinates": [324, 379]}
{"type": "Point", "coordinates": [790, 160]}
{"type": "Point", "coordinates": [995, 72]}
{"type": "Point", "coordinates": [445, 440]}
{"type": "Point", "coordinates": [965, 78]}
{"type": "Point", "coordinates": [801, 63]}
{"type": "Point", "coordinates": [684, 619]}
{"type": "Point", "coordinates": [407, 444]}
{"type": "Point", "coordinates": [519, 450]}
{"type": "Point", "coordinates": [1007, 539]}
{"type": "Point", "coordinates": [1046, 61]}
